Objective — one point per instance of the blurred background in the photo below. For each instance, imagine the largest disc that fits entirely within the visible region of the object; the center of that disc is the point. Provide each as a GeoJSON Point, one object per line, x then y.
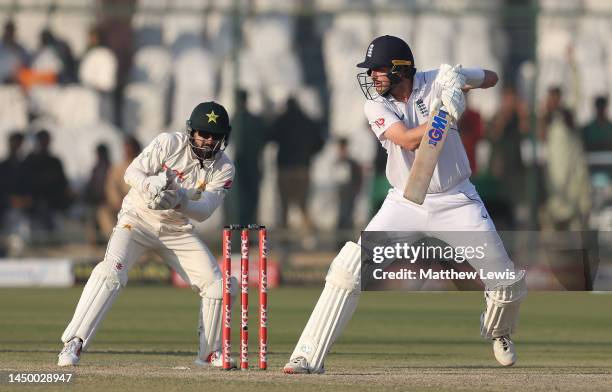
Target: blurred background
{"type": "Point", "coordinates": [87, 83]}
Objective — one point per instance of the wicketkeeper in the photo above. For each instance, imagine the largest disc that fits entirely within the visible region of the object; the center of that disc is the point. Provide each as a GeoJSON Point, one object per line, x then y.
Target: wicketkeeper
{"type": "Point", "coordinates": [179, 176]}
{"type": "Point", "coordinates": [398, 104]}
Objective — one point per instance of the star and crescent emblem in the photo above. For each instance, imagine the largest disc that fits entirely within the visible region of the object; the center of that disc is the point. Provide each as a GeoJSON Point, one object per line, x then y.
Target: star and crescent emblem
{"type": "Point", "coordinates": [212, 117]}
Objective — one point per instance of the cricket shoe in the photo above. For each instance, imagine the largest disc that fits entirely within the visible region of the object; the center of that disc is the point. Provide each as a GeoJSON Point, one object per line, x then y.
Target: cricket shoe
{"type": "Point", "coordinates": [299, 365]}
{"type": "Point", "coordinates": [215, 359]}
{"type": "Point", "coordinates": [503, 348]}
{"type": "Point", "coordinates": [71, 353]}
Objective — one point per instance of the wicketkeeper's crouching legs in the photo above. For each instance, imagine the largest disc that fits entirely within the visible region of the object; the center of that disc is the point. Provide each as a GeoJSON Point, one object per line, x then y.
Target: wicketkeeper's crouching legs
{"type": "Point", "coordinates": [334, 309]}
{"type": "Point", "coordinates": [99, 293]}
{"type": "Point", "coordinates": [126, 245]}
{"type": "Point", "coordinates": [209, 328]}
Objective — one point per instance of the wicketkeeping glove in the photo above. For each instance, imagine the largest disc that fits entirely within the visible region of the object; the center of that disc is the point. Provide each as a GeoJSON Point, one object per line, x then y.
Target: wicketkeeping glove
{"type": "Point", "coordinates": [169, 199]}
{"type": "Point", "coordinates": [154, 185]}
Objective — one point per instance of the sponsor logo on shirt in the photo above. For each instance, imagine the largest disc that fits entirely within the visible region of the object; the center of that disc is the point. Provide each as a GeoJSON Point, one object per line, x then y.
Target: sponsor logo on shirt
{"type": "Point", "coordinates": [380, 122]}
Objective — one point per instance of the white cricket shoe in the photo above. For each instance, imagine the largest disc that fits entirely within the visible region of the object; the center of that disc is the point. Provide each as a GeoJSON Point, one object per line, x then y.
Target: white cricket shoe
{"type": "Point", "coordinates": [503, 348]}
{"type": "Point", "coordinates": [299, 365]}
{"type": "Point", "coordinates": [71, 353]}
{"type": "Point", "coordinates": [215, 359]}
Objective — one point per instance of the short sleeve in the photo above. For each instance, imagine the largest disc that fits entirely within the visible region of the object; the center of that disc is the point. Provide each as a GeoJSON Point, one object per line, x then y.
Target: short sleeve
{"type": "Point", "coordinates": [380, 117]}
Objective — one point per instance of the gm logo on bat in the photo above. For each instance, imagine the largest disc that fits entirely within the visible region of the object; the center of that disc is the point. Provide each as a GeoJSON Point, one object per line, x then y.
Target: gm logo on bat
{"type": "Point", "coordinates": [438, 127]}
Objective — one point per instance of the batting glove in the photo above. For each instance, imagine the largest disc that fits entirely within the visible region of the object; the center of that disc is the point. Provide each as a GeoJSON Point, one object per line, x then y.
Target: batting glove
{"type": "Point", "coordinates": [453, 100]}
{"type": "Point", "coordinates": [449, 76]}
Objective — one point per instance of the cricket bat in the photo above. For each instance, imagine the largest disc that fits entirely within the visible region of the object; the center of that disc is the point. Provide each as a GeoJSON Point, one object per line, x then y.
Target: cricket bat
{"type": "Point", "coordinates": [427, 153]}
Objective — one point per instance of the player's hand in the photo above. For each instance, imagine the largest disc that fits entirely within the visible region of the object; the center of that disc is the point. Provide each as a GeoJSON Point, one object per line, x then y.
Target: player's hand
{"type": "Point", "coordinates": [169, 199]}
{"type": "Point", "coordinates": [453, 100]}
{"type": "Point", "coordinates": [154, 185]}
{"type": "Point", "coordinates": [449, 76]}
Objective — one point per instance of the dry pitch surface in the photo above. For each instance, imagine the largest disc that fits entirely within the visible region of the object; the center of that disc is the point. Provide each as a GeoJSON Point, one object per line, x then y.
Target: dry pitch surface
{"type": "Point", "coordinates": [396, 341]}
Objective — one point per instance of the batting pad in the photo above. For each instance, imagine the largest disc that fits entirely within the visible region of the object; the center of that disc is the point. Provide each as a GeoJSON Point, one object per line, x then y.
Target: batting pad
{"type": "Point", "coordinates": [502, 308]}
{"type": "Point", "coordinates": [209, 328]}
{"type": "Point", "coordinates": [99, 293]}
{"type": "Point", "coordinates": [334, 309]}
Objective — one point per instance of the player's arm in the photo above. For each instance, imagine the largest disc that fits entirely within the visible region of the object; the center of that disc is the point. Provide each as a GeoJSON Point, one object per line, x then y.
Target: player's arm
{"type": "Point", "coordinates": [408, 139]}
{"type": "Point", "coordinates": [211, 198]}
{"type": "Point", "coordinates": [387, 125]}
{"type": "Point", "coordinates": [448, 77]}
{"type": "Point", "coordinates": [142, 173]}
{"type": "Point", "coordinates": [479, 78]}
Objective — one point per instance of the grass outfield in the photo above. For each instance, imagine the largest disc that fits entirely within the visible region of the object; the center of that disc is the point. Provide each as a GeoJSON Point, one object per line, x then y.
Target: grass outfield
{"type": "Point", "coordinates": [396, 341]}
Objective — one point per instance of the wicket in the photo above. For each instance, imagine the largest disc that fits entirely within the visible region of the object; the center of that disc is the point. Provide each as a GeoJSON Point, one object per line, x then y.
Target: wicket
{"type": "Point", "coordinates": [244, 295]}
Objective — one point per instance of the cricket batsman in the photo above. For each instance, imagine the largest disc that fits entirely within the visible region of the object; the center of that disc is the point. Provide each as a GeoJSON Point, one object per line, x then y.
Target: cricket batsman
{"type": "Point", "coordinates": [399, 101]}
{"type": "Point", "coordinates": [179, 176]}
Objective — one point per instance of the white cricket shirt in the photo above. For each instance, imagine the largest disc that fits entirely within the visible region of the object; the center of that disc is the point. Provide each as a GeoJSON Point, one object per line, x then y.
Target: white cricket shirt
{"type": "Point", "coordinates": [453, 165]}
{"type": "Point", "coordinates": [207, 185]}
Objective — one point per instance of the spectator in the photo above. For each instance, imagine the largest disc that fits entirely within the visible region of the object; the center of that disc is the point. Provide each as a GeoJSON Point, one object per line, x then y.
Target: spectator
{"type": "Point", "coordinates": [116, 188]}
{"type": "Point", "coordinates": [52, 63]}
{"type": "Point", "coordinates": [298, 138]}
{"type": "Point", "coordinates": [567, 180]}
{"type": "Point", "coordinates": [98, 67]}
{"type": "Point", "coordinates": [597, 135]}
{"type": "Point", "coordinates": [46, 184]}
{"type": "Point", "coordinates": [509, 125]}
{"type": "Point", "coordinates": [12, 55]}
{"type": "Point", "coordinates": [115, 25]}
{"type": "Point", "coordinates": [9, 40]}
{"type": "Point", "coordinates": [94, 39]}
{"type": "Point", "coordinates": [248, 137]}
{"type": "Point", "coordinates": [380, 185]}
{"type": "Point", "coordinates": [94, 194]}
{"type": "Point", "coordinates": [471, 131]}
{"type": "Point", "coordinates": [348, 177]}
{"type": "Point", "coordinates": [11, 189]}
{"type": "Point", "coordinates": [49, 43]}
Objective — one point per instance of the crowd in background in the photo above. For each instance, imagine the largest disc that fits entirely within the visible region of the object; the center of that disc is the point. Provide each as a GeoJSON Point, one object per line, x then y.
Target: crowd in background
{"type": "Point", "coordinates": [510, 172]}
{"type": "Point", "coordinates": [35, 187]}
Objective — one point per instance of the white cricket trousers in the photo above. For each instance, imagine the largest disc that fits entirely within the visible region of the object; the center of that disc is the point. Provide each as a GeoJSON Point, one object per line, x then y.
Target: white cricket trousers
{"type": "Point", "coordinates": [457, 217]}
{"type": "Point", "coordinates": [182, 251]}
